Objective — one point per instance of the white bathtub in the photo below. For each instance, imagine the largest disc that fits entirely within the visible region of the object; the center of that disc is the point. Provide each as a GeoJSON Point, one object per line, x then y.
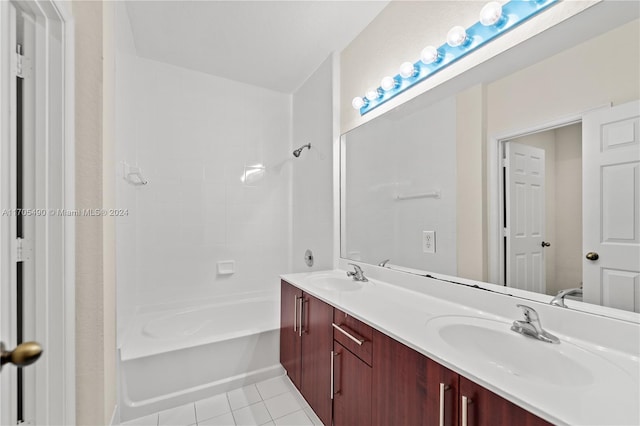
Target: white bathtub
{"type": "Point", "coordinates": [180, 354]}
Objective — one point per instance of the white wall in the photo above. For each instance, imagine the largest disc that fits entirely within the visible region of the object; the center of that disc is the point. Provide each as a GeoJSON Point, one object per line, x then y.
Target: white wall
{"type": "Point", "coordinates": [403, 156]}
{"type": "Point", "coordinates": [193, 134]}
{"type": "Point", "coordinates": [312, 185]}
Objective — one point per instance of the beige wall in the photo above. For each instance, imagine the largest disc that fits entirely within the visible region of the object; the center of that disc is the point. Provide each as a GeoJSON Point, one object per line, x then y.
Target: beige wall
{"type": "Point", "coordinates": [95, 290]}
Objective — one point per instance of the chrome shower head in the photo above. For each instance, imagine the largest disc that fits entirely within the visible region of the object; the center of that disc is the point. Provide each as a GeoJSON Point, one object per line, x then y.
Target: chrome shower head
{"type": "Point", "coordinates": [298, 151]}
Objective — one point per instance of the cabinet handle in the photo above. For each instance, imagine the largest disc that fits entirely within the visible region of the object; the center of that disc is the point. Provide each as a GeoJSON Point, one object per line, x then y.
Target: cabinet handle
{"type": "Point", "coordinates": [333, 355]}
{"type": "Point", "coordinates": [301, 299]}
{"type": "Point", "coordinates": [465, 410]}
{"type": "Point", "coordinates": [359, 340]}
{"type": "Point", "coordinates": [443, 389]}
{"type": "Point", "coordinates": [295, 312]}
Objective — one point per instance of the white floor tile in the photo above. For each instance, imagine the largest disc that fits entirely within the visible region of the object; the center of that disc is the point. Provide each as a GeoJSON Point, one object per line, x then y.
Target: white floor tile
{"type": "Point", "coordinates": [244, 396]}
{"type": "Point", "coordinates": [255, 414]}
{"type": "Point", "coordinates": [282, 405]}
{"type": "Point", "coordinates": [272, 387]}
{"type": "Point", "coordinates": [151, 420]}
{"type": "Point", "coordinates": [297, 418]}
{"type": "Point", "coordinates": [223, 420]}
{"type": "Point", "coordinates": [212, 407]}
{"type": "Point", "coordinates": [179, 416]}
{"type": "Point", "coordinates": [271, 423]}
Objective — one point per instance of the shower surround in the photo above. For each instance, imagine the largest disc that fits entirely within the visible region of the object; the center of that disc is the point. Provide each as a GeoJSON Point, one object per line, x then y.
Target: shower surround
{"type": "Point", "coordinates": [194, 136]}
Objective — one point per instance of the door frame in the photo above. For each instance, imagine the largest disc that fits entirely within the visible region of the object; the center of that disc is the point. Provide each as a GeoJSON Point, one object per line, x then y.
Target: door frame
{"type": "Point", "coordinates": [55, 295]}
{"type": "Point", "coordinates": [495, 187]}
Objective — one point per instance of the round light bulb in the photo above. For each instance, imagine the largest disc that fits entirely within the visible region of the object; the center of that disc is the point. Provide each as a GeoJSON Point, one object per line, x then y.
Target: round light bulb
{"type": "Point", "coordinates": [456, 36]}
{"type": "Point", "coordinates": [429, 55]}
{"type": "Point", "coordinates": [388, 83]}
{"type": "Point", "coordinates": [407, 70]}
{"type": "Point", "coordinates": [491, 13]}
{"type": "Point", "coordinates": [358, 102]}
{"type": "Point", "coordinates": [372, 94]}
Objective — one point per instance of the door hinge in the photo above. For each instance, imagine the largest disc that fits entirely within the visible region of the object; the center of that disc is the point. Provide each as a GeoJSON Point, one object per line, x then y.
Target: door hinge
{"type": "Point", "coordinates": [505, 232]}
{"type": "Point", "coordinates": [22, 250]}
{"type": "Point", "coordinates": [19, 60]}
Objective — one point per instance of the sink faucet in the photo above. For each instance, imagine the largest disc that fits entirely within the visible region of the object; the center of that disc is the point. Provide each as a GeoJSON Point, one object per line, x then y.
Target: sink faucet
{"type": "Point", "coordinates": [357, 274]}
{"type": "Point", "coordinates": [531, 326]}
{"type": "Point", "coordinates": [384, 263]}
{"type": "Point", "coordinates": [558, 300]}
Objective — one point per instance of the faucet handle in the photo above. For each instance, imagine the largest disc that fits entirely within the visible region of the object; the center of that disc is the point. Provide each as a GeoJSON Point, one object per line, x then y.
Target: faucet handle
{"type": "Point", "coordinates": [529, 313]}
{"type": "Point", "coordinates": [356, 267]}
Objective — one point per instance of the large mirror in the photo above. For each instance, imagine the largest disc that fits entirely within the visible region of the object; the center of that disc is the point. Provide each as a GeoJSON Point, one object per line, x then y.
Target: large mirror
{"type": "Point", "coordinates": [526, 175]}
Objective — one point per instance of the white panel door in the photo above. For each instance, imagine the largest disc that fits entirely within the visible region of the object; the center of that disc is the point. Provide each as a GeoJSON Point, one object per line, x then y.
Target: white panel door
{"type": "Point", "coordinates": [525, 213]}
{"type": "Point", "coordinates": [611, 206]}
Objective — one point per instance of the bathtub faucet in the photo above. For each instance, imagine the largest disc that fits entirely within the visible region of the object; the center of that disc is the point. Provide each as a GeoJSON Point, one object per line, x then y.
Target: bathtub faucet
{"type": "Point", "coordinates": [357, 274]}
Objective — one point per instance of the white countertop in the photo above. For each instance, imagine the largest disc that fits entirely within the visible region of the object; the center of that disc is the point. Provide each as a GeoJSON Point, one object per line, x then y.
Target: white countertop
{"type": "Point", "coordinates": [612, 398]}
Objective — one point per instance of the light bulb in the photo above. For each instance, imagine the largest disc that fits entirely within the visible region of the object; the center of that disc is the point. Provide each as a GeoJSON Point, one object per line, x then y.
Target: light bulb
{"type": "Point", "coordinates": [372, 94]}
{"type": "Point", "coordinates": [456, 36]}
{"type": "Point", "coordinates": [491, 13]}
{"type": "Point", "coordinates": [407, 70]}
{"type": "Point", "coordinates": [388, 83]}
{"type": "Point", "coordinates": [429, 55]}
{"type": "Point", "coordinates": [358, 102]}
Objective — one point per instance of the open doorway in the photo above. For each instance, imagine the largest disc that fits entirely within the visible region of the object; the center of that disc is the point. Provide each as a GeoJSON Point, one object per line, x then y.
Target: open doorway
{"type": "Point", "coordinates": [542, 210]}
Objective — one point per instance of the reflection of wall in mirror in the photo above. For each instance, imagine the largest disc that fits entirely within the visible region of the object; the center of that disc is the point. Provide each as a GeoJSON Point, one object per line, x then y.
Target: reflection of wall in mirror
{"type": "Point", "coordinates": [415, 154]}
{"type": "Point", "coordinates": [565, 84]}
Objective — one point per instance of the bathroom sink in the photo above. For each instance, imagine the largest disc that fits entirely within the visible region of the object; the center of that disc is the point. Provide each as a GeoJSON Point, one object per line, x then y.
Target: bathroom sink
{"type": "Point", "coordinates": [491, 344]}
{"type": "Point", "coordinates": [334, 283]}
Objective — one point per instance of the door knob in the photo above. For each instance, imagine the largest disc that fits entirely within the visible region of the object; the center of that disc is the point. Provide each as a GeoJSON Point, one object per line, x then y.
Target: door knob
{"type": "Point", "coordinates": [545, 244]}
{"type": "Point", "coordinates": [592, 255]}
{"type": "Point", "coordinates": [24, 354]}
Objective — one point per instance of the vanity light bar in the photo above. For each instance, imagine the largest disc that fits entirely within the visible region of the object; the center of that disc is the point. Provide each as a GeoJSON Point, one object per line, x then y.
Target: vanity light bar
{"type": "Point", "coordinates": [494, 21]}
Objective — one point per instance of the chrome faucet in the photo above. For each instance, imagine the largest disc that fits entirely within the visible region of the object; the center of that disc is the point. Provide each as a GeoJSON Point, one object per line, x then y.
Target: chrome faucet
{"type": "Point", "coordinates": [357, 274]}
{"type": "Point", "coordinates": [531, 326]}
{"type": "Point", "coordinates": [384, 263]}
{"type": "Point", "coordinates": [558, 300]}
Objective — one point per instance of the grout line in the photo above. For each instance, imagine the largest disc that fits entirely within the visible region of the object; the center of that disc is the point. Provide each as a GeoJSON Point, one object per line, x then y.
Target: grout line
{"type": "Point", "coordinates": [195, 413]}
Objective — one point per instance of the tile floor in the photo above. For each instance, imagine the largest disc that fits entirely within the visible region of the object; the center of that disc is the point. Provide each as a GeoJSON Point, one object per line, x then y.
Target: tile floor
{"type": "Point", "coordinates": [271, 402]}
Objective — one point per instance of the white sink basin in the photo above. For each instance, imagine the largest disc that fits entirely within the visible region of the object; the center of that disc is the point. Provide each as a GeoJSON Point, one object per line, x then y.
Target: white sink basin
{"type": "Point", "coordinates": [334, 283]}
{"type": "Point", "coordinates": [493, 345]}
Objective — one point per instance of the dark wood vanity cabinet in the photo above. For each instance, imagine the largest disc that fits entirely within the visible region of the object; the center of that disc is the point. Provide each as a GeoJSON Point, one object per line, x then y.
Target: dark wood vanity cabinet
{"type": "Point", "coordinates": [376, 379]}
{"type": "Point", "coordinates": [306, 339]}
{"type": "Point", "coordinates": [485, 408]}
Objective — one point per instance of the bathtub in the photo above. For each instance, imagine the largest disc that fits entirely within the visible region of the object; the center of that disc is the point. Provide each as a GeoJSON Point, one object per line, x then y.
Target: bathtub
{"type": "Point", "coordinates": [178, 354]}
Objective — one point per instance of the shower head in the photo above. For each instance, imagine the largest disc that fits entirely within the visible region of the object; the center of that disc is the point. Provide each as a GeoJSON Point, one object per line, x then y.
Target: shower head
{"type": "Point", "coordinates": [298, 151]}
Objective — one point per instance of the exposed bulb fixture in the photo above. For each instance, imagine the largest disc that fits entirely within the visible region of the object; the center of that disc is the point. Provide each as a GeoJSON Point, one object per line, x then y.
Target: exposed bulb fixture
{"type": "Point", "coordinates": [429, 55]}
{"type": "Point", "coordinates": [456, 36]}
{"type": "Point", "coordinates": [358, 102]}
{"type": "Point", "coordinates": [388, 83]}
{"type": "Point", "coordinates": [407, 70]}
{"type": "Point", "coordinates": [491, 14]}
{"type": "Point", "coordinates": [372, 94]}
{"type": "Point", "coordinates": [496, 18]}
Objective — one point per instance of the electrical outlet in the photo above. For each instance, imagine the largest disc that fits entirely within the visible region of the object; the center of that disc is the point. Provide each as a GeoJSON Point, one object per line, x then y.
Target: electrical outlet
{"type": "Point", "coordinates": [429, 241]}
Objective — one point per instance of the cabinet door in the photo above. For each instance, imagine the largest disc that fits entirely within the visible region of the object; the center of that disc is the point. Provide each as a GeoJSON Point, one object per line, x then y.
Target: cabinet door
{"type": "Point", "coordinates": [317, 341]}
{"type": "Point", "coordinates": [399, 384]}
{"type": "Point", "coordinates": [290, 334]}
{"type": "Point", "coordinates": [352, 389]}
{"type": "Point", "coordinates": [442, 395]}
{"type": "Point", "coordinates": [485, 408]}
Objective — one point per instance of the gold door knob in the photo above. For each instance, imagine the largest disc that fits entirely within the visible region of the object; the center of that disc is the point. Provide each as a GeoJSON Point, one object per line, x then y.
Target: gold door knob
{"type": "Point", "coordinates": [24, 354]}
{"type": "Point", "coordinates": [592, 255]}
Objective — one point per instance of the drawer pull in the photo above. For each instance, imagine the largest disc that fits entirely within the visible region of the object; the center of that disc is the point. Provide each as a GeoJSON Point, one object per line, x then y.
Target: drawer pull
{"type": "Point", "coordinates": [301, 299]}
{"type": "Point", "coordinates": [443, 389]}
{"type": "Point", "coordinates": [358, 339]}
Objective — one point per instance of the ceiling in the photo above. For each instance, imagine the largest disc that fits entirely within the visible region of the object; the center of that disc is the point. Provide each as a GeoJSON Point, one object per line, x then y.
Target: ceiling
{"type": "Point", "coordinates": [271, 44]}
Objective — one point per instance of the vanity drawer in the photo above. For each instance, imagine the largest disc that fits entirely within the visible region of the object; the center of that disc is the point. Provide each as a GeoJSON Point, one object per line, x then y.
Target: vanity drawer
{"type": "Point", "coordinates": [353, 335]}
